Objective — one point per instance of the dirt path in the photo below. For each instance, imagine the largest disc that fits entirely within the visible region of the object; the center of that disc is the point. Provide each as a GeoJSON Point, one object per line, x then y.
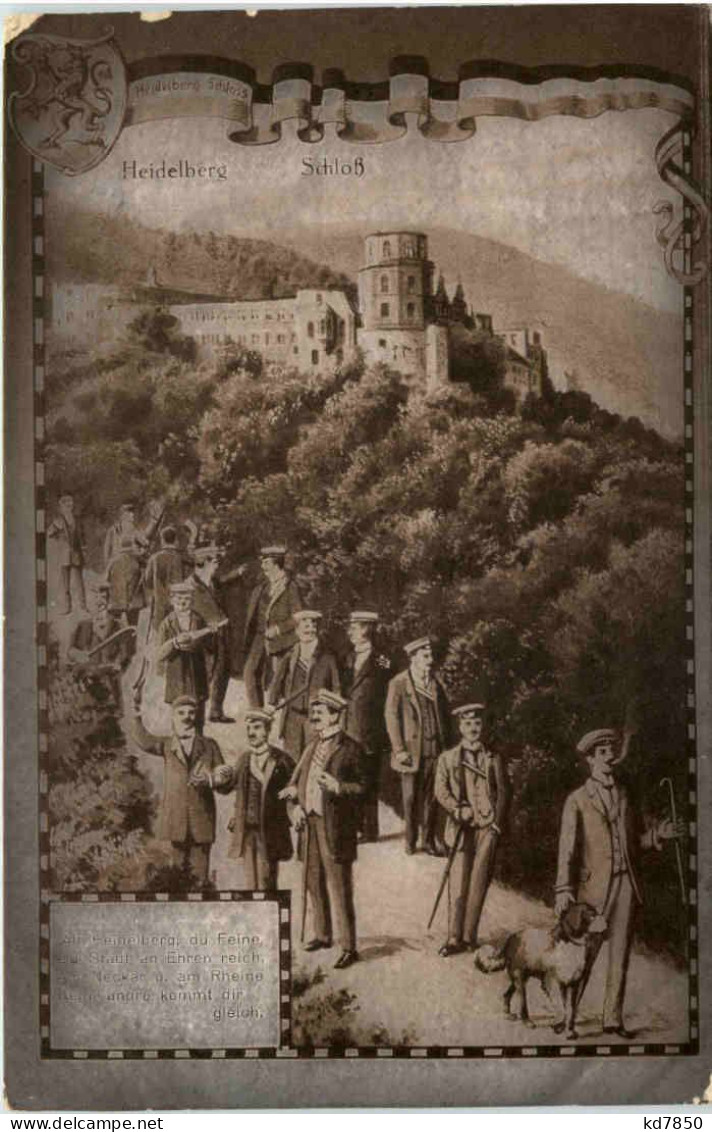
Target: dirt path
{"type": "Point", "coordinates": [401, 982]}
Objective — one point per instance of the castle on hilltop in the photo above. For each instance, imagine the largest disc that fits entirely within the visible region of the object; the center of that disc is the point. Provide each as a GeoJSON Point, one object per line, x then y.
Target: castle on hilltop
{"type": "Point", "coordinates": [404, 319]}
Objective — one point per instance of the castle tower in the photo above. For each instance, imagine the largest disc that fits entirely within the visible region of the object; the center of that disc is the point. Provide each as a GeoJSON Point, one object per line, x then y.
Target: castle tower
{"type": "Point", "coordinates": [458, 307]}
{"type": "Point", "coordinates": [395, 283]}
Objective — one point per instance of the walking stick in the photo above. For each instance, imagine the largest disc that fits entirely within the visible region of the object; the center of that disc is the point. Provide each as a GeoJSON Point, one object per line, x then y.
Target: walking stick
{"type": "Point", "coordinates": [446, 873]}
{"type": "Point", "coordinates": [304, 879]}
{"type": "Point", "coordinates": [678, 851]}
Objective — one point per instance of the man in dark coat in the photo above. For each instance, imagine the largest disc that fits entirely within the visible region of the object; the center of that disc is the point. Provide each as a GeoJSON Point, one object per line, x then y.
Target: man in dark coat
{"type": "Point", "coordinates": [418, 724]}
{"type": "Point", "coordinates": [67, 529]}
{"type": "Point", "coordinates": [163, 568]}
{"type": "Point", "coordinates": [186, 818]}
{"type": "Point", "coordinates": [300, 672]}
{"type": "Point", "coordinates": [325, 796]}
{"type": "Point", "coordinates": [207, 603]}
{"type": "Point", "coordinates": [181, 645]}
{"type": "Point", "coordinates": [259, 827]}
{"type": "Point", "coordinates": [599, 843]}
{"type": "Point", "coordinates": [125, 578]}
{"type": "Point", "coordinates": [471, 785]}
{"type": "Point", "coordinates": [365, 686]}
{"type": "Point", "coordinates": [269, 625]}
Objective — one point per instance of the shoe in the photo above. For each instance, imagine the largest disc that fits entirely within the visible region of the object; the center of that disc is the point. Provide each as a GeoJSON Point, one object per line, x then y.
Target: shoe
{"type": "Point", "coordinates": [346, 959]}
{"type": "Point", "coordinates": [214, 717]}
{"type": "Point", "coordinates": [410, 851]}
{"type": "Point", "coordinates": [619, 1031]}
{"type": "Point", "coordinates": [317, 944]}
{"type": "Point", "coordinates": [448, 949]}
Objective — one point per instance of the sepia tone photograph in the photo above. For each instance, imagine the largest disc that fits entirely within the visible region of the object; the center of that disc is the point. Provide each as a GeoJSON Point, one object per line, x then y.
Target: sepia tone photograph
{"type": "Point", "coordinates": [365, 568]}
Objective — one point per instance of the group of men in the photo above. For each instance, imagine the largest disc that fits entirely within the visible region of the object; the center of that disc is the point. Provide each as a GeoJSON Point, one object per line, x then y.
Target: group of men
{"type": "Point", "coordinates": [318, 735]}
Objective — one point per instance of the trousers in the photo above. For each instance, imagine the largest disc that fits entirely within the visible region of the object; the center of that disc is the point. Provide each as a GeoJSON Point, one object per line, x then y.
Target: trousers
{"type": "Point", "coordinates": [254, 870]}
{"type": "Point", "coordinates": [469, 880]}
{"type": "Point", "coordinates": [420, 808]}
{"type": "Point", "coordinates": [189, 855]}
{"type": "Point", "coordinates": [329, 885]}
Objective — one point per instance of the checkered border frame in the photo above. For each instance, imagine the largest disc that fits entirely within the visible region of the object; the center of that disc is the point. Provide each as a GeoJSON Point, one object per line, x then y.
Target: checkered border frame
{"type": "Point", "coordinates": [283, 901]}
{"type": "Point", "coordinates": [690, 1047]}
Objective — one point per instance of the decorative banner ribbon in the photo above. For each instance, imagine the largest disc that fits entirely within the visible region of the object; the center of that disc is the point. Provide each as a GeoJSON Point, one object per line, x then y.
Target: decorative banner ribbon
{"type": "Point", "coordinates": [671, 233]}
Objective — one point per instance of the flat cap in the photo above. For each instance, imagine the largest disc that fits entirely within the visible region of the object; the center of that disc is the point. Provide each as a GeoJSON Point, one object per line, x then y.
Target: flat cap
{"type": "Point", "coordinates": [276, 551]}
{"type": "Point", "coordinates": [331, 699]}
{"type": "Point", "coordinates": [185, 701]}
{"type": "Point", "coordinates": [415, 646]}
{"type": "Point", "coordinates": [314, 614]}
{"type": "Point", "coordinates": [181, 587]}
{"type": "Point", "coordinates": [592, 738]}
{"type": "Point", "coordinates": [363, 617]}
{"type": "Point", "coordinates": [464, 708]}
{"type": "Point", "coordinates": [260, 715]}
{"type": "Point", "coordinates": [211, 550]}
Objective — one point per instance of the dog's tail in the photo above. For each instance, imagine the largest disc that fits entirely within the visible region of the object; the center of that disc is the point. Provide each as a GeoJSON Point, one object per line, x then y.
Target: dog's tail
{"type": "Point", "coordinates": [490, 959]}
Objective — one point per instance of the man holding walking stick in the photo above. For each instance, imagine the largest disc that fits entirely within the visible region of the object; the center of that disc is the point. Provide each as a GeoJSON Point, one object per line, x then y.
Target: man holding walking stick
{"type": "Point", "coordinates": [598, 845]}
{"type": "Point", "coordinates": [471, 784]}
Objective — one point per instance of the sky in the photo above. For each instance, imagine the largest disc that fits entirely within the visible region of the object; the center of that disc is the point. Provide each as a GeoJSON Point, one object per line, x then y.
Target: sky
{"type": "Point", "coordinates": [575, 192]}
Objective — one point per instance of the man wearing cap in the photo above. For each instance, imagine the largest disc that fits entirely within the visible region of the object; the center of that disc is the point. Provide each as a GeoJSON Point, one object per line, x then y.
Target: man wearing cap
{"type": "Point", "coordinates": [163, 568]}
{"type": "Point", "coordinates": [186, 818]}
{"type": "Point", "coordinates": [94, 643]}
{"type": "Point", "coordinates": [324, 798]}
{"type": "Point", "coordinates": [471, 785]}
{"type": "Point", "coordinates": [208, 605]}
{"type": "Point", "coordinates": [259, 827]}
{"type": "Point", "coordinates": [127, 530]}
{"type": "Point", "coordinates": [66, 529]}
{"type": "Point", "coordinates": [301, 671]}
{"type": "Point", "coordinates": [181, 643]}
{"type": "Point", "coordinates": [418, 724]}
{"type": "Point", "coordinates": [365, 686]}
{"type": "Point", "coordinates": [269, 625]}
{"type": "Point", "coordinates": [598, 845]}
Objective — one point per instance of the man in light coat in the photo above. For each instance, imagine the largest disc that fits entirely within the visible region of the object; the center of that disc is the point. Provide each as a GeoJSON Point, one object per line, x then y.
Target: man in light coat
{"type": "Point", "coordinates": [186, 818]}
{"type": "Point", "coordinates": [472, 787]}
{"type": "Point", "coordinates": [599, 842]}
{"type": "Point", "coordinates": [418, 724]}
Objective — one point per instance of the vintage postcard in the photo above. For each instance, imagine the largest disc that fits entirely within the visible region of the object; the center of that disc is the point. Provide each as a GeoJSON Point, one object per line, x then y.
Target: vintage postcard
{"type": "Point", "coordinates": [358, 668]}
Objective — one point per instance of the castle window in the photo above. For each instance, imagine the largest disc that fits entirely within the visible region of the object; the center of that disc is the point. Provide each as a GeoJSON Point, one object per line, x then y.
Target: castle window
{"type": "Point", "coordinates": [296, 349]}
{"type": "Point", "coordinates": [409, 251]}
{"type": "Point", "coordinates": [382, 343]}
{"type": "Point", "coordinates": [255, 337]}
{"type": "Point", "coordinates": [315, 357]}
{"type": "Point", "coordinates": [318, 298]}
{"type": "Point", "coordinates": [280, 338]}
{"type": "Point", "coordinates": [385, 310]}
{"type": "Point", "coordinates": [266, 339]}
{"type": "Point", "coordinates": [387, 249]}
{"type": "Point", "coordinates": [322, 327]}
{"type": "Point", "coordinates": [411, 310]}
{"type": "Point", "coordinates": [384, 284]}
{"type": "Point", "coordinates": [411, 283]}
{"type": "Point", "coordinates": [310, 330]}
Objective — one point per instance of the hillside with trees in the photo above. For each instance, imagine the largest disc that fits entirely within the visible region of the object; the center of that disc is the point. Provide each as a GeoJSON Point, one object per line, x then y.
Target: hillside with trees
{"type": "Point", "coordinates": [543, 550]}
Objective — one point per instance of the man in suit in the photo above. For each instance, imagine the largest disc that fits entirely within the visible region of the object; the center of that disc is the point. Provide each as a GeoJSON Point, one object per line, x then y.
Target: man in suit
{"type": "Point", "coordinates": [472, 787]}
{"type": "Point", "coordinates": [126, 530]}
{"type": "Point", "coordinates": [269, 625]}
{"type": "Point", "coordinates": [67, 529]}
{"type": "Point", "coordinates": [324, 797]}
{"type": "Point", "coordinates": [365, 685]}
{"type": "Point", "coordinates": [418, 724]}
{"type": "Point", "coordinates": [163, 568]}
{"type": "Point", "coordinates": [599, 841]}
{"type": "Point", "coordinates": [259, 827]}
{"type": "Point", "coordinates": [207, 602]}
{"type": "Point", "coordinates": [181, 645]}
{"type": "Point", "coordinates": [125, 579]}
{"type": "Point", "coordinates": [300, 672]}
{"type": "Point", "coordinates": [186, 817]}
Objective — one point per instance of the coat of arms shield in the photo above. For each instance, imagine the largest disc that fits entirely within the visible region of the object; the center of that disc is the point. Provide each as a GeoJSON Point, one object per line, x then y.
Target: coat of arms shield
{"type": "Point", "coordinates": [72, 111]}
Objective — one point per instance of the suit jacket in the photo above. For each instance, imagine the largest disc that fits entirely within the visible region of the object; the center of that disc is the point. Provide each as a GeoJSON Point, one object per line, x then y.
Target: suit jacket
{"type": "Point", "coordinates": [586, 845]}
{"type": "Point", "coordinates": [275, 834]}
{"type": "Point", "coordinates": [185, 671]}
{"type": "Point", "coordinates": [162, 569]}
{"type": "Point", "coordinates": [342, 812]}
{"type": "Point", "coordinates": [71, 541]}
{"type": "Point", "coordinates": [365, 691]}
{"type": "Point", "coordinates": [207, 604]}
{"type": "Point", "coordinates": [323, 673]}
{"type": "Point", "coordinates": [187, 812]}
{"type": "Point", "coordinates": [450, 787]}
{"type": "Point", "coordinates": [125, 582]}
{"type": "Point", "coordinates": [263, 613]}
{"type": "Point", "coordinates": [404, 720]}
{"type": "Point", "coordinates": [85, 637]}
